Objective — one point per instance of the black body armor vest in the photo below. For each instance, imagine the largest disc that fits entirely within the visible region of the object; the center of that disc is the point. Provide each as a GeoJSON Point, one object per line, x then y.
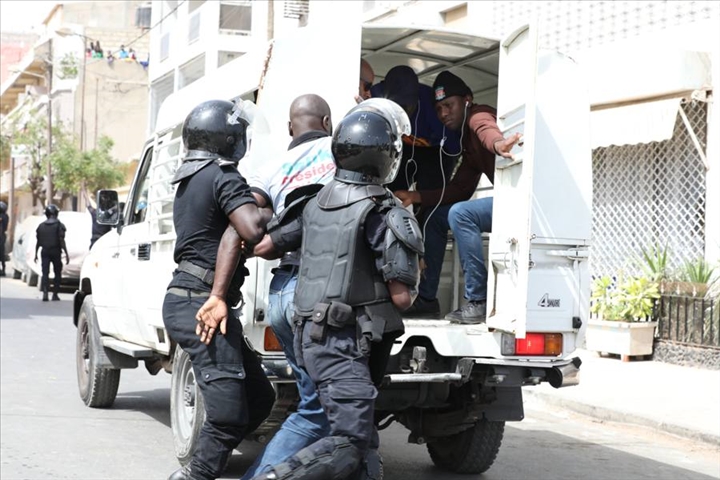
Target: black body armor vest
{"type": "Point", "coordinates": [337, 264]}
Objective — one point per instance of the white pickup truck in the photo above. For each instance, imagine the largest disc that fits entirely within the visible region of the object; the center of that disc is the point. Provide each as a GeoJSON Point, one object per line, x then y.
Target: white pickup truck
{"type": "Point", "coordinates": [452, 386]}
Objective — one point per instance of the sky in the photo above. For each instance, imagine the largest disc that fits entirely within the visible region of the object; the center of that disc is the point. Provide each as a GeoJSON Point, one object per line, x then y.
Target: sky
{"type": "Point", "coordinates": [23, 15]}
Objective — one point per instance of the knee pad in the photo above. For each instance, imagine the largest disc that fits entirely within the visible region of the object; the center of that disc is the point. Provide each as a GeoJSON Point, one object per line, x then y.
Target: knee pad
{"type": "Point", "coordinates": [330, 458]}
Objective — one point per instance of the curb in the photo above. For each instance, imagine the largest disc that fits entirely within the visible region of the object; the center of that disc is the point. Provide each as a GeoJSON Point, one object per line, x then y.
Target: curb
{"type": "Point", "coordinates": [607, 414]}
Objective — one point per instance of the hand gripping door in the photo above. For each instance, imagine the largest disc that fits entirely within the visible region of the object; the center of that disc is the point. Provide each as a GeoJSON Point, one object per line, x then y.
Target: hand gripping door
{"type": "Point", "coordinates": [538, 275]}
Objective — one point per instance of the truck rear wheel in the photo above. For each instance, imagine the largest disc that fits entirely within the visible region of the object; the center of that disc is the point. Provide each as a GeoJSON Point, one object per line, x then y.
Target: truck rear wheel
{"type": "Point", "coordinates": [98, 386]}
{"type": "Point", "coordinates": [470, 451]}
{"type": "Point", "coordinates": [187, 409]}
{"type": "Point", "coordinates": [31, 278]}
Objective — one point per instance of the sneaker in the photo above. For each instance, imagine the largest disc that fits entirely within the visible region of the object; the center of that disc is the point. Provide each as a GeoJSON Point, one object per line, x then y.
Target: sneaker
{"type": "Point", "coordinates": [422, 308]}
{"type": "Point", "coordinates": [470, 314]}
{"type": "Point", "coordinates": [55, 297]}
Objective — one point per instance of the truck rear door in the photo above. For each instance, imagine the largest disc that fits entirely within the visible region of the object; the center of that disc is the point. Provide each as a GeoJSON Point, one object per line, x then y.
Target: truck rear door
{"type": "Point", "coordinates": [538, 273]}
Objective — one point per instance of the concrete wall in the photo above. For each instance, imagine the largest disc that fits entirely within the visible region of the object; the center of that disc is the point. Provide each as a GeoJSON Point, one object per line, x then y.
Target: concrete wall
{"type": "Point", "coordinates": [13, 47]}
{"type": "Point", "coordinates": [116, 95]}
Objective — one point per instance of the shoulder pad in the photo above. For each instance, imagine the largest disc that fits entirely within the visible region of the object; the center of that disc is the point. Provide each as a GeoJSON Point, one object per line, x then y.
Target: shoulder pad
{"type": "Point", "coordinates": [338, 194]}
{"type": "Point", "coordinates": [188, 169]}
{"type": "Point", "coordinates": [406, 228]}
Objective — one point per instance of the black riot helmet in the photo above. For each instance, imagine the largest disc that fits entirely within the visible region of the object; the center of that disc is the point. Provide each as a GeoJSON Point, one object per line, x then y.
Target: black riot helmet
{"type": "Point", "coordinates": [368, 142]}
{"type": "Point", "coordinates": [216, 128]}
{"type": "Point", "coordinates": [52, 211]}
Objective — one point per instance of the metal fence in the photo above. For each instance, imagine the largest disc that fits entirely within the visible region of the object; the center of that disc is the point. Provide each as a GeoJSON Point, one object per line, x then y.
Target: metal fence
{"type": "Point", "coordinates": [649, 193]}
{"type": "Point", "coordinates": [689, 320]}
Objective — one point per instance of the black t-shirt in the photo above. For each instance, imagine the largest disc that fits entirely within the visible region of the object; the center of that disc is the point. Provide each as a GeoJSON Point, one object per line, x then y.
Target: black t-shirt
{"type": "Point", "coordinates": [97, 229]}
{"type": "Point", "coordinates": [202, 205]}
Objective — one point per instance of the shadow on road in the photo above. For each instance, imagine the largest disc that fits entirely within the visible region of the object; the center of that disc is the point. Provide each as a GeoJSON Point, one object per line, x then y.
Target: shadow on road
{"type": "Point", "coordinates": [153, 403]}
{"type": "Point", "coordinates": [540, 454]}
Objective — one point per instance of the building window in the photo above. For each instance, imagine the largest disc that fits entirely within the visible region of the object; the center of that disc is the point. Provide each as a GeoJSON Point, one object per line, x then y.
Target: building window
{"type": "Point", "coordinates": [225, 57]}
{"type": "Point", "coordinates": [191, 71]}
{"type": "Point", "coordinates": [143, 16]}
{"type": "Point", "coordinates": [194, 28]}
{"type": "Point", "coordinates": [194, 5]}
{"type": "Point", "coordinates": [159, 91]}
{"type": "Point", "coordinates": [235, 18]}
{"type": "Point", "coordinates": [165, 46]}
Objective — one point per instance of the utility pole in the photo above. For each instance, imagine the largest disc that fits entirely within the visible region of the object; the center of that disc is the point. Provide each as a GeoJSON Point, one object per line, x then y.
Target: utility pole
{"type": "Point", "coordinates": [82, 94]}
{"type": "Point", "coordinates": [49, 70]}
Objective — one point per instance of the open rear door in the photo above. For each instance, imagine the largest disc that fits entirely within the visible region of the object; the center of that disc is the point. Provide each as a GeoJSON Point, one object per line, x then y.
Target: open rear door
{"type": "Point", "coordinates": [538, 274]}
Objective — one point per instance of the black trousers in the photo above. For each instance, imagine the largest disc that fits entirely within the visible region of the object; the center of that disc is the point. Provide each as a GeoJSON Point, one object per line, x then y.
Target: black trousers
{"type": "Point", "coordinates": [238, 396]}
{"type": "Point", "coordinates": [54, 258]}
{"type": "Point", "coordinates": [2, 251]}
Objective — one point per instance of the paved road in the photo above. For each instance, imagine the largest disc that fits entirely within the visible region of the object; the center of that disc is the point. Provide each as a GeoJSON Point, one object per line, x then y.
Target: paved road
{"type": "Point", "coordinates": [47, 433]}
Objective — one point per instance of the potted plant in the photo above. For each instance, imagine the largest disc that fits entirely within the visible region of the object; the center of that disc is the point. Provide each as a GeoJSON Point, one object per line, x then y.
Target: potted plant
{"type": "Point", "coordinates": [623, 326]}
{"type": "Point", "coordinates": [698, 277]}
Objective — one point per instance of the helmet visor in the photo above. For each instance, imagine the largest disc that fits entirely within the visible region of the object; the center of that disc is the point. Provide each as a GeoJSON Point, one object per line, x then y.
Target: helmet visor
{"type": "Point", "coordinates": [393, 112]}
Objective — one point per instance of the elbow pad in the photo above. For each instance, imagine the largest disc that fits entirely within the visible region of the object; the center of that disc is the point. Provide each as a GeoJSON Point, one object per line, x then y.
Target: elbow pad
{"type": "Point", "coordinates": [286, 236]}
{"type": "Point", "coordinates": [403, 248]}
{"type": "Point", "coordinates": [285, 231]}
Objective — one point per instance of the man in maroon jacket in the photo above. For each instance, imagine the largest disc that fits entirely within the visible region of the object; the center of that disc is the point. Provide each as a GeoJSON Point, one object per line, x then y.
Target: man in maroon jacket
{"type": "Point", "coordinates": [442, 210]}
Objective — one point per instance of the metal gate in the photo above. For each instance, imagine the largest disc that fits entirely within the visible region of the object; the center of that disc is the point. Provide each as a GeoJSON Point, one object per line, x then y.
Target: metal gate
{"type": "Point", "coordinates": [649, 193]}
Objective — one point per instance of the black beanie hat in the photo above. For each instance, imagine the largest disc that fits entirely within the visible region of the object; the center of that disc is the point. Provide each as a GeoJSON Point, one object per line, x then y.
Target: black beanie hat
{"type": "Point", "coordinates": [447, 85]}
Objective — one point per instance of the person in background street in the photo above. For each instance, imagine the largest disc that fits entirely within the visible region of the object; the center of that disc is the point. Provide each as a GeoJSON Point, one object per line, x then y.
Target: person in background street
{"type": "Point", "coordinates": [4, 222]}
{"type": "Point", "coordinates": [214, 212]}
{"type": "Point", "coordinates": [481, 141]}
{"type": "Point", "coordinates": [51, 238]}
{"type": "Point", "coordinates": [307, 166]}
{"type": "Point", "coordinates": [97, 229]}
{"type": "Point", "coordinates": [357, 269]}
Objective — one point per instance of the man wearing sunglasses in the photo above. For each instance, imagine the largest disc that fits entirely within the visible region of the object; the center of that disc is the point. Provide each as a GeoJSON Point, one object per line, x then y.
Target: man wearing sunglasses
{"type": "Point", "coordinates": [367, 77]}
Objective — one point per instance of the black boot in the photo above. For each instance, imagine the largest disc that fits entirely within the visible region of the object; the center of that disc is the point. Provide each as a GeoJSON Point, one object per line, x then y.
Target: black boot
{"type": "Point", "coordinates": [182, 473]}
{"type": "Point", "coordinates": [45, 297]}
{"type": "Point", "coordinates": [55, 297]}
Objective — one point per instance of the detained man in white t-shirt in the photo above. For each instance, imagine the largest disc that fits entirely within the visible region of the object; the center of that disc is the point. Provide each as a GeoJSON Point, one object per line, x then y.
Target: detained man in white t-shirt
{"type": "Point", "coordinates": [305, 168]}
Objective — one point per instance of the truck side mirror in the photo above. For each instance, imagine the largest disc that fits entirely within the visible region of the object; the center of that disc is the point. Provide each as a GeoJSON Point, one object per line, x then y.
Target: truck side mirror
{"type": "Point", "coordinates": [108, 211]}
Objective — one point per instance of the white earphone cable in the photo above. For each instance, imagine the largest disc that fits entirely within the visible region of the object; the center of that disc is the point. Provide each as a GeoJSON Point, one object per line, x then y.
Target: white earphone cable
{"type": "Point", "coordinates": [442, 170]}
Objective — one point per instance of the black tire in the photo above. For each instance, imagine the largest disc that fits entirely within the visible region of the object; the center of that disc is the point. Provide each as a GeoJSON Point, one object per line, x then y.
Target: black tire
{"type": "Point", "coordinates": [17, 274]}
{"type": "Point", "coordinates": [32, 278]}
{"type": "Point", "coordinates": [187, 409]}
{"type": "Point", "coordinates": [471, 451]}
{"type": "Point", "coordinates": [98, 386]}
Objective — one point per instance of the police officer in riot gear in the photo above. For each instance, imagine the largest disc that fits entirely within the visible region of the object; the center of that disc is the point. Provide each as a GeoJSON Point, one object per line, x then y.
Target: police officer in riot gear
{"type": "Point", "coordinates": [4, 220]}
{"type": "Point", "coordinates": [359, 267]}
{"type": "Point", "coordinates": [213, 213]}
{"type": "Point", "coordinates": [51, 238]}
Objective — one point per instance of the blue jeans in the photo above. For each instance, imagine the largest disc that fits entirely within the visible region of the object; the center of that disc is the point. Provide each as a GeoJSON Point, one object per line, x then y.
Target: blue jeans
{"type": "Point", "coordinates": [309, 423]}
{"type": "Point", "coordinates": [468, 221]}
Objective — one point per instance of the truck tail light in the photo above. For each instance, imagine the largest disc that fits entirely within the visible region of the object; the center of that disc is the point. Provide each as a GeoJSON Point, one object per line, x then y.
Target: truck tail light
{"type": "Point", "coordinates": [271, 342]}
{"type": "Point", "coordinates": [541, 344]}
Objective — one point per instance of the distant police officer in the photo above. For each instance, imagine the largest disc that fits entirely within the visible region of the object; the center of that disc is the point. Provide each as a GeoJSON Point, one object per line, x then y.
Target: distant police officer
{"type": "Point", "coordinates": [213, 212]}
{"type": "Point", "coordinates": [4, 220]}
{"type": "Point", "coordinates": [51, 238]}
{"type": "Point", "coordinates": [359, 265]}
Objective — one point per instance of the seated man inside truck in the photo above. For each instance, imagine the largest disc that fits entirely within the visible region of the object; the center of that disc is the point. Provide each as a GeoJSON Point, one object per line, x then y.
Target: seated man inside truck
{"type": "Point", "coordinates": [213, 213]}
{"type": "Point", "coordinates": [423, 152]}
{"type": "Point", "coordinates": [481, 140]}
